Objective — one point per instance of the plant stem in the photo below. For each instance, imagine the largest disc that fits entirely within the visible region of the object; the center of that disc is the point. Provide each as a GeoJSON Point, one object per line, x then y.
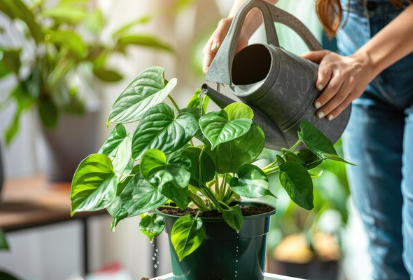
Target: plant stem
{"type": "Point", "coordinates": [169, 206]}
{"type": "Point", "coordinates": [295, 145]}
{"type": "Point", "coordinates": [173, 102]}
{"type": "Point", "coordinates": [197, 214]}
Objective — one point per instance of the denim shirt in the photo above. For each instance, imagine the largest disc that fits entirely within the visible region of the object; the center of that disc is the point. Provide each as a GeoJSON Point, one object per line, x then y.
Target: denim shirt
{"type": "Point", "coordinates": [395, 84]}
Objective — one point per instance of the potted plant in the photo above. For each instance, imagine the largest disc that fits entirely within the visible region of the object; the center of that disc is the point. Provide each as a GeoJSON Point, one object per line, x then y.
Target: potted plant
{"type": "Point", "coordinates": [55, 67]}
{"type": "Point", "coordinates": [194, 191]}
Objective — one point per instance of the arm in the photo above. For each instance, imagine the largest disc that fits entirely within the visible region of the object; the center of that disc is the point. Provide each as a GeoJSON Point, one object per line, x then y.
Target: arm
{"type": "Point", "coordinates": [252, 21]}
{"type": "Point", "coordinates": [345, 78]}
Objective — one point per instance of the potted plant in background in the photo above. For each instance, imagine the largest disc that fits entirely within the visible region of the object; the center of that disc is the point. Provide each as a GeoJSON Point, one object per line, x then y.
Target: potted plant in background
{"type": "Point", "coordinates": [308, 244]}
{"type": "Point", "coordinates": [194, 191]}
{"type": "Point", "coordinates": [56, 69]}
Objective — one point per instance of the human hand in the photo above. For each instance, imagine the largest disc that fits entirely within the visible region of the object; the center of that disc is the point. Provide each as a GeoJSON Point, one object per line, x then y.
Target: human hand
{"type": "Point", "coordinates": [216, 39]}
{"type": "Point", "coordinates": [341, 78]}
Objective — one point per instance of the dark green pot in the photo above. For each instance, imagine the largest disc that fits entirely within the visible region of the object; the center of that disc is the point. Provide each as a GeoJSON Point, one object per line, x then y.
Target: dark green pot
{"type": "Point", "coordinates": [224, 253]}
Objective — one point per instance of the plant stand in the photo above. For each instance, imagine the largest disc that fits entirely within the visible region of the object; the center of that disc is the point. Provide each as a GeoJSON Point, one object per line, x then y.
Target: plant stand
{"type": "Point", "coordinates": [268, 276]}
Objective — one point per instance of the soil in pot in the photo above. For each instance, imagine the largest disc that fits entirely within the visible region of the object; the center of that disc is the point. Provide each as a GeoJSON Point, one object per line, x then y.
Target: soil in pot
{"type": "Point", "coordinates": [224, 253]}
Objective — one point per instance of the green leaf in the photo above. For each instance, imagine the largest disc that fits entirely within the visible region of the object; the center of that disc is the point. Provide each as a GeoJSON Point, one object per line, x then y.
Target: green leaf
{"type": "Point", "coordinates": [238, 110]}
{"type": "Point", "coordinates": [95, 21]}
{"type": "Point", "coordinates": [336, 158]}
{"type": "Point", "coordinates": [94, 184]}
{"type": "Point", "coordinates": [49, 113]}
{"type": "Point", "coordinates": [292, 157]}
{"type": "Point", "coordinates": [126, 28]}
{"type": "Point", "coordinates": [187, 235]}
{"type": "Point", "coordinates": [218, 129]}
{"type": "Point", "coordinates": [4, 70]}
{"type": "Point", "coordinates": [298, 184]}
{"type": "Point", "coordinates": [143, 40]}
{"type": "Point", "coordinates": [145, 91]}
{"type": "Point", "coordinates": [310, 159]}
{"type": "Point", "coordinates": [232, 215]}
{"type": "Point", "coordinates": [202, 167]}
{"type": "Point", "coordinates": [11, 59]}
{"type": "Point", "coordinates": [68, 39]}
{"type": "Point", "coordinates": [138, 197]}
{"type": "Point", "coordinates": [115, 138]}
{"type": "Point", "coordinates": [315, 140]}
{"type": "Point", "coordinates": [198, 201]}
{"type": "Point", "coordinates": [17, 9]}
{"type": "Point", "coordinates": [228, 157]}
{"type": "Point", "coordinates": [66, 14]}
{"type": "Point", "coordinates": [7, 276]}
{"type": "Point", "coordinates": [107, 75]}
{"type": "Point", "coordinates": [196, 101]}
{"type": "Point", "coordinates": [171, 178]}
{"type": "Point", "coordinates": [4, 245]}
{"type": "Point", "coordinates": [152, 226]}
{"type": "Point", "coordinates": [159, 129]}
{"type": "Point", "coordinates": [251, 182]}
{"type": "Point", "coordinates": [13, 128]}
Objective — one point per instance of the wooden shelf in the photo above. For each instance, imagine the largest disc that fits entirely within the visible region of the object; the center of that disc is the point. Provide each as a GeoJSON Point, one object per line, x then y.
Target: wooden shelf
{"type": "Point", "coordinates": [32, 202]}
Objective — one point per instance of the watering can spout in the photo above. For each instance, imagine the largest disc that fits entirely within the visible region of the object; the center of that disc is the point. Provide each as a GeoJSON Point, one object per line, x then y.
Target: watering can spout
{"type": "Point", "coordinates": [221, 100]}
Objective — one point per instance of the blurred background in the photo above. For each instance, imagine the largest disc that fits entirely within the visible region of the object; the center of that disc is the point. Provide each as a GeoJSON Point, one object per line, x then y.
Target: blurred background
{"type": "Point", "coordinates": [63, 63]}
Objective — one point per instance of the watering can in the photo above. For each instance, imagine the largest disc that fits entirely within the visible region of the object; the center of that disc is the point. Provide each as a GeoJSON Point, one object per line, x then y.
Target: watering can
{"type": "Point", "coordinates": [279, 86]}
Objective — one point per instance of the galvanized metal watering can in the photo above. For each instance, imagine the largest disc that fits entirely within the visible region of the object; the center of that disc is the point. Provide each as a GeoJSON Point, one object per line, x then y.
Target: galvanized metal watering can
{"type": "Point", "coordinates": [278, 85]}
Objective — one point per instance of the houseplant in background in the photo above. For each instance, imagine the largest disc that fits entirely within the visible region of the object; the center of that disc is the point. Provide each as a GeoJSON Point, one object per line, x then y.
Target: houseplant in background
{"type": "Point", "coordinates": [308, 244]}
{"type": "Point", "coordinates": [55, 68]}
{"type": "Point", "coordinates": [194, 191]}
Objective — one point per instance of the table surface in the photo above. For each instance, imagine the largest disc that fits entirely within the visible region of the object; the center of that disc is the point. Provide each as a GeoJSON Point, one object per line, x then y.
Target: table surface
{"type": "Point", "coordinates": [32, 202]}
{"type": "Point", "coordinates": [268, 276]}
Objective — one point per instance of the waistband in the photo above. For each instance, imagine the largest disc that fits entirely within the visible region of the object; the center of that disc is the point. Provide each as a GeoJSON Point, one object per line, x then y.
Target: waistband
{"type": "Point", "coordinates": [370, 8]}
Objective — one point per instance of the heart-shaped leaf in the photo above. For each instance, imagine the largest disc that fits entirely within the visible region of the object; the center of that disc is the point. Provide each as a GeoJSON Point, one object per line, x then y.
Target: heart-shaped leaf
{"type": "Point", "coordinates": [138, 197]}
{"type": "Point", "coordinates": [232, 215]}
{"type": "Point", "coordinates": [297, 183]}
{"type": "Point", "coordinates": [146, 90]}
{"type": "Point", "coordinates": [171, 178]}
{"type": "Point", "coordinates": [228, 157]}
{"type": "Point", "coordinates": [251, 182]}
{"type": "Point", "coordinates": [152, 226]}
{"type": "Point", "coordinates": [94, 184]}
{"type": "Point", "coordinates": [238, 110]}
{"type": "Point", "coordinates": [199, 100]}
{"type": "Point", "coordinates": [218, 129]}
{"type": "Point", "coordinates": [310, 159]}
{"type": "Point", "coordinates": [118, 147]}
{"type": "Point", "coordinates": [187, 235]}
{"type": "Point", "coordinates": [315, 140]}
{"type": "Point", "coordinates": [202, 167]}
{"type": "Point", "coordinates": [159, 129]}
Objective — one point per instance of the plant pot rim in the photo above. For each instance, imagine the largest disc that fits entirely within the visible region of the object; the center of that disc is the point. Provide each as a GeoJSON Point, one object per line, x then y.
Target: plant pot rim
{"type": "Point", "coordinates": [220, 219]}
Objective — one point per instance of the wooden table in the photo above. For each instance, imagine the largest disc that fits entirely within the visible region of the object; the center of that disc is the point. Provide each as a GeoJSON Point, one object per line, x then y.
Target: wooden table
{"type": "Point", "coordinates": [33, 202]}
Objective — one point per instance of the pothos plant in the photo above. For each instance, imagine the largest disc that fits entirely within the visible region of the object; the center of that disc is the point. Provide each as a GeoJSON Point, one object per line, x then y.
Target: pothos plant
{"type": "Point", "coordinates": [159, 163]}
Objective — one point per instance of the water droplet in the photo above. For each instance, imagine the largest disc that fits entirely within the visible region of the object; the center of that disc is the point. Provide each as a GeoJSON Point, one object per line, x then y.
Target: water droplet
{"type": "Point", "coordinates": [155, 266]}
{"type": "Point", "coordinates": [154, 254]}
{"type": "Point", "coordinates": [157, 262]}
{"type": "Point", "coordinates": [153, 258]}
{"type": "Point", "coordinates": [236, 260]}
{"type": "Point", "coordinates": [156, 250]}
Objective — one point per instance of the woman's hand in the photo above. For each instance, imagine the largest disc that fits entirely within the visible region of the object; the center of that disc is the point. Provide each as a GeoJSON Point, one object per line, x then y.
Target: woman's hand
{"type": "Point", "coordinates": [341, 78]}
{"type": "Point", "coordinates": [216, 39]}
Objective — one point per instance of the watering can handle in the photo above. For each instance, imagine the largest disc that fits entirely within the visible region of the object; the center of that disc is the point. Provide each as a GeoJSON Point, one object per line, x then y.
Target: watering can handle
{"type": "Point", "coordinates": [220, 69]}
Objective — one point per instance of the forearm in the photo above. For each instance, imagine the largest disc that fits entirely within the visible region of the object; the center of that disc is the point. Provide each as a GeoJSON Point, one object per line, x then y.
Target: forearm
{"type": "Point", "coordinates": [253, 19]}
{"type": "Point", "coordinates": [392, 43]}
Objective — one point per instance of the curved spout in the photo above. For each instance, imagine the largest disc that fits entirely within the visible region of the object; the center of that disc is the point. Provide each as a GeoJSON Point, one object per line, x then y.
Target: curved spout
{"type": "Point", "coordinates": [221, 100]}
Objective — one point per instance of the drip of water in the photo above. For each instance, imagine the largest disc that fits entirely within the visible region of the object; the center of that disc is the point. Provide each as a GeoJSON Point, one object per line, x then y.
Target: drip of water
{"type": "Point", "coordinates": [155, 265]}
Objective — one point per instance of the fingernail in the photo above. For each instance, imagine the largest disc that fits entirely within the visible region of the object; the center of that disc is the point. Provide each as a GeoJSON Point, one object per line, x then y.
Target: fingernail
{"type": "Point", "coordinates": [320, 115]}
{"type": "Point", "coordinates": [330, 117]}
{"type": "Point", "coordinates": [317, 105]}
{"type": "Point", "coordinates": [214, 47]}
{"type": "Point", "coordinates": [320, 86]}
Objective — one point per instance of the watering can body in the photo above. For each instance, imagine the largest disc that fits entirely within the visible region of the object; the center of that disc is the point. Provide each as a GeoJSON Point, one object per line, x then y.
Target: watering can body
{"type": "Point", "coordinates": [279, 86]}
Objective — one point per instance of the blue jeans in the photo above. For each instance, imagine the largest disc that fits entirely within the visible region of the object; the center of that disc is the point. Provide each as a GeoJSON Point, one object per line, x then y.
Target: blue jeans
{"type": "Point", "coordinates": [379, 139]}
